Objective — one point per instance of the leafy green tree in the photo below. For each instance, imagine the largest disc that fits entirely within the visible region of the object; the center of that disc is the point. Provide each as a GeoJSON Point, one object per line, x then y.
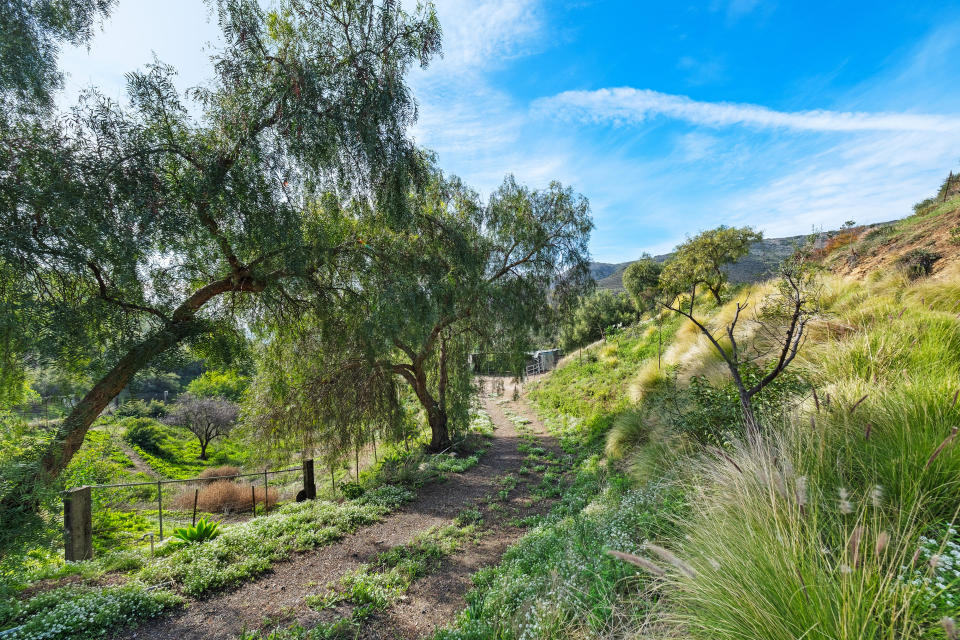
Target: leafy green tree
{"type": "Point", "coordinates": [781, 318]}
{"type": "Point", "coordinates": [31, 32]}
{"type": "Point", "coordinates": [596, 313]}
{"type": "Point", "coordinates": [458, 276]}
{"type": "Point", "coordinates": [222, 384]}
{"type": "Point", "coordinates": [133, 230]}
{"type": "Point", "coordinates": [641, 279]}
{"type": "Point", "coordinates": [699, 262]}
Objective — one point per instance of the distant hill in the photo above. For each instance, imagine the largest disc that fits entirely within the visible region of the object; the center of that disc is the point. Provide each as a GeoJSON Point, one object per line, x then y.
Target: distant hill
{"type": "Point", "coordinates": [757, 265]}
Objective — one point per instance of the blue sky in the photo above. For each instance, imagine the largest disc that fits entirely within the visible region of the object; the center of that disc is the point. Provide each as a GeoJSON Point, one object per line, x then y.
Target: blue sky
{"type": "Point", "coordinates": [670, 117]}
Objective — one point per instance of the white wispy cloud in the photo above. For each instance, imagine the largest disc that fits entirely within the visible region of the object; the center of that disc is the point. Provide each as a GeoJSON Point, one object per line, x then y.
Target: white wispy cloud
{"type": "Point", "coordinates": [629, 105]}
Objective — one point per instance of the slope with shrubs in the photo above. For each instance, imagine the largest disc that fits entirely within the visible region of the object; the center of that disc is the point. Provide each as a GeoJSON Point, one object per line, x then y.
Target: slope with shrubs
{"type": "Point", "coordinates": [838, 523]}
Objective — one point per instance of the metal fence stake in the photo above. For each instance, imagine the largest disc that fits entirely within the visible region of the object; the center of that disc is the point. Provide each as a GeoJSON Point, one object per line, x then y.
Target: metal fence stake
{"type": "Point", "coordinates": [160, 507]}
{"type": "Point", "coordinates": [253, 500]}
{"type": "Point", "coordinates": [196, 494]}
{"type": "Point", "coordinates": [266, 505]}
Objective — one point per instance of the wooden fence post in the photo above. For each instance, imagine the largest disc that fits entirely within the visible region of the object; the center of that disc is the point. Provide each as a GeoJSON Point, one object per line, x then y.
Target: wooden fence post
{"type": "Point", "coordinates": [77, 524]}
{"type": "Point", "coordinates": [309, 484]}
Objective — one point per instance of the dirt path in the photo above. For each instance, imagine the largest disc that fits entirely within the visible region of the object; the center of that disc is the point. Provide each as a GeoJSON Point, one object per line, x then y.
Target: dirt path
{"type": "Point", "coordinates": [277, 598]}
{"type": "Point", "coordinates": [139, 463]}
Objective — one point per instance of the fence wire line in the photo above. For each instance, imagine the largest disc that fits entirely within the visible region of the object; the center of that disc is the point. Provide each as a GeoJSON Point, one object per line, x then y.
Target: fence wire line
{"type": "Point", "coordinates": [124, 514]}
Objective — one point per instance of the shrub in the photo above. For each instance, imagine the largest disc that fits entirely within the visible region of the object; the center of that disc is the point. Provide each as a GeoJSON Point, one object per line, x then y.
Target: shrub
{"type": "Point", "coordinates": [140, 409]}
{"type": "Point", "coordinates": [924, 206]}
{"type": "Point", "coordinates": [351, 490]}
{"type": "Point", "coordinates": [224, 496]}
{"type": "Point", "coordinates": [224, 471]}
{"type": "Point", "coordinates": [73, 613]}
{"type": "Point", "coordinates": [955, 235]}
{"type": "Point", "coordinates": [917, 263]}
{"type": "Point", "coordinates": [201, 532]}
{"type": "Point", "coordinates": [840, 240]}
{"type": "Point", "coordinates": [145, 433]}
{"type": "Point", "coordinates": [223, 384]}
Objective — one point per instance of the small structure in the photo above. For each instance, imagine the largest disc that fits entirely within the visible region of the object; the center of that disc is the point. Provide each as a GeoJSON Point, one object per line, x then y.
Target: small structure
{"type": "Point", "coordinates": [530, 363]}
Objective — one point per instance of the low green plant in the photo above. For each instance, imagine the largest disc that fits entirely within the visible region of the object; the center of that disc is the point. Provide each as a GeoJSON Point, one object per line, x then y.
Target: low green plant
{"type": "Point", "coordinates": [201, 532]}
{"type": "Point", "coordinates": [917, 263]}
{"type": "Point", "coordinates": [248, 549]}
{"type": "Point", "coordinates": [144, 433]}
{"type": "Point", "coordinates": [77, 613]}
{"type": "Point", "coordinates": [351, 490]}
{"type": "Point", "coordinates": [382, 582]}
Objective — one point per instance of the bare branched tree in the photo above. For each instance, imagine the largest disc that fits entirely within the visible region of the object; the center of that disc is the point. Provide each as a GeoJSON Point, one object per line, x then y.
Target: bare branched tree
{"type": "Point", "coordinates": [781, 318]}
{"type": "Point", "coordinates": [206, 418]}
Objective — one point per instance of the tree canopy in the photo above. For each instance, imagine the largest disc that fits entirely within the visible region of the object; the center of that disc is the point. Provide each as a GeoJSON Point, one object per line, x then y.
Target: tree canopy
{"type": "Point", "coordinates": [457, 276]}
{"type": "Point", "coordinates": [31, 32]}
{"type": "Point", "coordinates": [128, 230]}
{"type": "Point", "coordinates": [700, 261]}
{"type": "Point", "coordinates": [641, 279]}
{"type": "Point", "coordinates": [595, 314]}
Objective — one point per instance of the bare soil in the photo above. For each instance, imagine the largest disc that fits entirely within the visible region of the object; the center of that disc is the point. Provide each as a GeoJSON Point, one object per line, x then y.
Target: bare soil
{"type": "Point", "coordinates": [277, 597]}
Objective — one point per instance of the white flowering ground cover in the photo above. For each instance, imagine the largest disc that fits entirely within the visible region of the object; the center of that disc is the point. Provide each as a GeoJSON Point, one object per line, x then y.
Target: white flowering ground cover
{"type": "Point", "coordinates": [81, 612]}
{"type": "Point", "coordinates": [241, 552]}
{"type": "Point", "coordinates": [250, 549]}
{"type": "Point", "coordinates": [937, 572]}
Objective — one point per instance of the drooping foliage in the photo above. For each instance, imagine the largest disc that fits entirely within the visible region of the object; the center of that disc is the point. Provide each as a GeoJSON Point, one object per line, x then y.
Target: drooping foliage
{"type": "Point", "coordinates": [458, 276]}
{"type": "Point", "coordinates": [594, 317]}
{"type": "Point", "coordinates": [31, 33]}
{"type": "Point", "coordinates": [126, 231]}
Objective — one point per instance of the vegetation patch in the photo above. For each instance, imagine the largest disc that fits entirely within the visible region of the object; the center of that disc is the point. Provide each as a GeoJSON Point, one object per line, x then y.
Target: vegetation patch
{"type": "Point", "coordinates": [248, 549]}
{"type": "Point", "coordinates": [380, 583]}
{"type": "Point", "coordinates": [74, 613]}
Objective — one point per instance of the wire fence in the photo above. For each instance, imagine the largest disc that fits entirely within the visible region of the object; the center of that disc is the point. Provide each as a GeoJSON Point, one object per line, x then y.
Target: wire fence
{"type": "Point", "coordinates": [130, 514]}
{"type": "Point", "coordinates": [56, 407]}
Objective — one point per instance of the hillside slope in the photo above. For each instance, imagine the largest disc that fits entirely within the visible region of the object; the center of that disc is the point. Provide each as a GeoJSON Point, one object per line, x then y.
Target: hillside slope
{"type": "Point", "coordinates": [762, 260]}
{"type": "Point", "coordinates": [837, 523]}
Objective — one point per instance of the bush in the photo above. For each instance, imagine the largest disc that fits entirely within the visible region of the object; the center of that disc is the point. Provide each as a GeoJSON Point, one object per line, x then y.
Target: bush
{"type": "Point", "coordinates": [141, 409]}
{"type": "Point", "coordinates": [224, 471]}
{"type": "Point", "coordinates": [224, 496]}
{"type": "Point", "coordinates": [223, 384]}
{"type": "Point", "coordinates": [351, 490]}
{"type": "Point", "coordinates": [146, 434]}
{"type": "Point", "coordinates": [917, 263]}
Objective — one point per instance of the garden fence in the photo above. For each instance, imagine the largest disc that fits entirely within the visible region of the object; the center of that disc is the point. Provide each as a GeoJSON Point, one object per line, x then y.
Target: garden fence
{"type": "Point", "coordinates": [104, 517]}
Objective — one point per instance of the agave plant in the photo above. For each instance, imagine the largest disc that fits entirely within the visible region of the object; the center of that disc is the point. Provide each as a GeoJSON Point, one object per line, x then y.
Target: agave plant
{"type": "Point", "coordinates": [200, 532]}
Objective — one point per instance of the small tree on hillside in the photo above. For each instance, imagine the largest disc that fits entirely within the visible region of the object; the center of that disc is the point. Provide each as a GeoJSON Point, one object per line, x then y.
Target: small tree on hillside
{"type": "Point", "coordinates": [781, 318]}
{"type": "Point", "coordinates": [206, 418]}
{"type": "Point", "coordinates": [642, 282]}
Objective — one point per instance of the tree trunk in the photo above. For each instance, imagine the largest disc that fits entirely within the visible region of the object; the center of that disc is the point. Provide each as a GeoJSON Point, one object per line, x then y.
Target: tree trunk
{"type": "Point", "coordinates": [73, 429]}
{"type": "Point", "coordinates": [70, 435]}
{"type": "Point", "coordinates": [439, 434]}
{"type": "Point", "coordinates": [436, 412]}
{"type": "Point", "coordinates": [749, 420]}
{"type": "Point", "coordinates": [203, 450]}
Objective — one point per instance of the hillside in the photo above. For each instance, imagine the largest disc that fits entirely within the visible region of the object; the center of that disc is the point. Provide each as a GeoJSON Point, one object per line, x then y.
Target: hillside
{"type": "Point", "coordinates": [766, 254]}
{"type": "Point", "coordinates": [851, 488]}
{"type": "Point", "coordinates": [763, 258]}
